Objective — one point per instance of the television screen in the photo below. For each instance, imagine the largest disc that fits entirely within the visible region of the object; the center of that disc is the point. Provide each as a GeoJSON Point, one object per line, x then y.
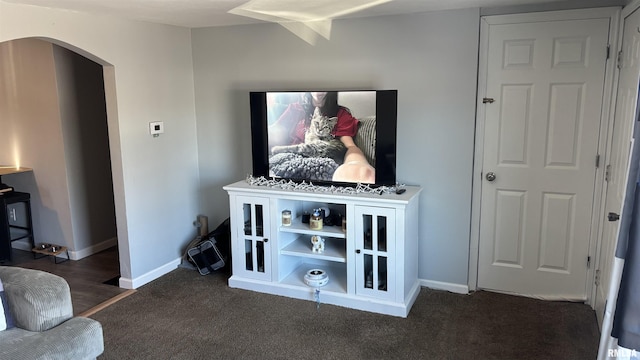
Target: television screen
{"type": "Point", "coordinates": [325, 137]}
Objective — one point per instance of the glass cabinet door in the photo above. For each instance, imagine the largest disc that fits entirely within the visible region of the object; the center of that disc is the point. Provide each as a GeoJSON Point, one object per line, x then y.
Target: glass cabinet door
{"type": "Point", "coordinates": [375, 257]}
{"type": "Point", "coordinates": [253, 237]}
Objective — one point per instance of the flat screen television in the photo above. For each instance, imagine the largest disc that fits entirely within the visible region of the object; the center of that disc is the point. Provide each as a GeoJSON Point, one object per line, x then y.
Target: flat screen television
{"type": "Point", "coordinates": [294, 139]}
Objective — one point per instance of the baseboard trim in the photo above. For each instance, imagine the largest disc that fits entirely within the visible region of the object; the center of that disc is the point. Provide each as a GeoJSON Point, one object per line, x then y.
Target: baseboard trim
{"type": "Point", "coordinates": [440, 285]}
{"type": "Point", "coordinates": [73, 255]}
{"type": "Point", "coordinates": [93, 249]}
{"type": "Point", "coordinates": [127, 283]}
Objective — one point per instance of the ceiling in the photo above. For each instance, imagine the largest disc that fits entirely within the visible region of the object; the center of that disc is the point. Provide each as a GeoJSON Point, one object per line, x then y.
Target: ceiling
{"type": "Point", "coordinates": [205, 13]}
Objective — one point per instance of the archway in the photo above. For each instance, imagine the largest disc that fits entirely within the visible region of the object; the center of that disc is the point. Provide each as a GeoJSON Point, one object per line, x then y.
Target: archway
{"type": "Point", "coordinates": [79, 187]}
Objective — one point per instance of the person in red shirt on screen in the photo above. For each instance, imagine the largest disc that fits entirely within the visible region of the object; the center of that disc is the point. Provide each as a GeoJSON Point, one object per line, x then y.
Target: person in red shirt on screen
{"type": "Point", "coordinates": [291, 126]}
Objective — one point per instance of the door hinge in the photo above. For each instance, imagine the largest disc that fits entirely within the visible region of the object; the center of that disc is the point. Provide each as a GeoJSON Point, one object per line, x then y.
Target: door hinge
{"type": "Point", "coordinates": [607, 173]}
{"type": "Point", "coordinates": [597, 161]}
{"type": "Point", "coordinates": [619, 60]}
{"type": "Point", "coordinates": [597, 281]}
{"type": "Point", "coordinates": [588, 262]}
{"type": "Point", "coordinates": [488, 100]}
{"type": "Point", "coordinates": [608, 51]}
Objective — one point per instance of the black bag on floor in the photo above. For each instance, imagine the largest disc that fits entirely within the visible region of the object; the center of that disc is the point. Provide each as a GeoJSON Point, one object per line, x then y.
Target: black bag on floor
{"type": "Point", "coordinates": [222, 238]}
{"type": "Point", "coordinates": [206, 257]}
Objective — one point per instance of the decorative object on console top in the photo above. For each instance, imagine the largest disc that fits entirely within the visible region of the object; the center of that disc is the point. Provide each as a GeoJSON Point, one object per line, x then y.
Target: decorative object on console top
{"type": "Point", "coordinates": [308, 186]}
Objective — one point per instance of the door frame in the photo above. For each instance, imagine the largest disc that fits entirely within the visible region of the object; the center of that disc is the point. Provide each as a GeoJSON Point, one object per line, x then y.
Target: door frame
{"type": "Point", "coordinates": [627, 11]}
{"type": "Point", "coordinates": [613, 14]}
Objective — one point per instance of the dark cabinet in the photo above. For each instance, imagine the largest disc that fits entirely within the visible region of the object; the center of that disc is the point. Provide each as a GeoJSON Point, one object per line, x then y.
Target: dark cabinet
{"type": "Point", "coordinates": [21, 228]}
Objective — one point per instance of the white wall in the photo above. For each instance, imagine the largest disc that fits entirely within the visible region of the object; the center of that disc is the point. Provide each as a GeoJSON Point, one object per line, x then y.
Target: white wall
{"type": "Point", "coordinates": [148, 77]}
{"type": "Point", "coordinates": [430, 58]}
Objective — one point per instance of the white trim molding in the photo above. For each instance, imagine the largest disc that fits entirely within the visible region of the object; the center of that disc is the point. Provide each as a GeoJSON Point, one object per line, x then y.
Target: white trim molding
{"type": "Point", "coordinates": [156, 273]}
{"type": "Point", "coordinates": [93, 249]}
{"type": "Point", "coordinates": [447, 286]}
{"type": "Point", "coordinates": [73, 255]}
{"type": "Point", "coordinates": [630, 7]}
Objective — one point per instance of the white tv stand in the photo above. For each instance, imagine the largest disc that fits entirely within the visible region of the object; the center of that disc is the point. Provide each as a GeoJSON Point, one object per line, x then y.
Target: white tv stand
{"type": "Point", "coordinates": [372, 266]}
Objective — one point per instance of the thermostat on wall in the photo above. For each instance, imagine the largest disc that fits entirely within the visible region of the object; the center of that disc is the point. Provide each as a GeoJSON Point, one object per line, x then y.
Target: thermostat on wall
{"type": "Point", "coordinates": [156, 128]}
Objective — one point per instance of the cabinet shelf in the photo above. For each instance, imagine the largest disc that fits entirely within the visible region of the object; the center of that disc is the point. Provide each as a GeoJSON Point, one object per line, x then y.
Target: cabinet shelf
{"type": "Point", "coordinates": [336, 272]}
{"type": "Point", "coordinates": [334, 249]}
{"type": "Point", "coordinates": [298, 227]}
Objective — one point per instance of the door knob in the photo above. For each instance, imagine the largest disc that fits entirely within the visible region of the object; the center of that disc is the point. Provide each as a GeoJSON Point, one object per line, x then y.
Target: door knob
{"type": "Point", "coordinates": [613, 217]}
{"type": "Point", "coordinates": [491, 176]}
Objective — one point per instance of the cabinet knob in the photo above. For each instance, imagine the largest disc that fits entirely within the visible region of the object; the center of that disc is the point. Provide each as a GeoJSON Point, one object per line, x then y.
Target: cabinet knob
{"type": "Point", "coordinates": [265, 240]}
{"type": "Point", "coordinates": [358, 251]}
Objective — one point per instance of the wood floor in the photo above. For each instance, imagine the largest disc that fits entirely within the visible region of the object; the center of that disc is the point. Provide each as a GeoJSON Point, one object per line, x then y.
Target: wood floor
{"type": "Point", "coordinates": [86, 277]}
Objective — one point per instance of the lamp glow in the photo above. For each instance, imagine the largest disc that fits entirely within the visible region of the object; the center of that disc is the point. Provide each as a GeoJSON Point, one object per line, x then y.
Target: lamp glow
{"type": "Point", "coordinates": [16, 153]}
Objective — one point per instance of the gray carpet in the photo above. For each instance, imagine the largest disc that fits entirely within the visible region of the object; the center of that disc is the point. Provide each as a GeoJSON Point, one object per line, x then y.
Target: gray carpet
{"type": "Point", "coordinates": [184, 315]}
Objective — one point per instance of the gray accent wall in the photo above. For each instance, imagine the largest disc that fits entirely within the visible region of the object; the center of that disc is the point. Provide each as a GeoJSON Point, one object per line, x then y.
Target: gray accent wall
{"type": "Point", "coordinates": [430, 58]}
{"type": "Point", "coordinates": [83, 114]}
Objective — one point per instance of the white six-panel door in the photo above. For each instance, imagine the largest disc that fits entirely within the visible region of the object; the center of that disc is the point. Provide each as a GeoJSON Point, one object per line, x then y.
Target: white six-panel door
{"type": "Point", "coordinates": [541, 138]}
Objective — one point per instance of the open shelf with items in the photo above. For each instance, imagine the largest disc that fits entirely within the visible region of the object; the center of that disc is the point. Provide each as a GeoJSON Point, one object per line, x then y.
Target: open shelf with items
{"type": "Point", "coordinates": [336, 272]}
{"type": "Point", "coordinates": [370, 260]}
{"type": "Point", "coordinates": [334, 249]}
